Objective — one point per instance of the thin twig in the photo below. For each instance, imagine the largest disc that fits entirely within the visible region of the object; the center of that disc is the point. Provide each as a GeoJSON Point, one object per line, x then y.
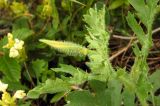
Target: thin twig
{"type": "Point", "coordinates": [128, 59]}
{"type": "Point", "coordinates": [128, 38]}
{"type": "Point", "coordinates": [118, 53]}
{"type": "Point", "coordinates": [154, 58]}
{"type": "Point", "coordinates": [128, 46]}
{"type": "Point", "coordinates": [76, 87]}
{"type": "Point", "coordinates": [124, 37]}
{"type": "Point", "coordinates": [130, 43]}
{"type": "Point", "coordinates": [156, 30]}
{"type": "Point", "coordinates": [122, 50]}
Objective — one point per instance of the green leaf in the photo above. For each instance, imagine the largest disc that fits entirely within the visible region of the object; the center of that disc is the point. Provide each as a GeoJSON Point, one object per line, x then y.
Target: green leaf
{"type": "Point", "coordinates": [3, 42]}
{"type": "Point", "coordinates": [113, 93]}
{"type": "Point", "coordinates": [154, 79]}
{"type": "Point", "coordinates": [19, 23]}
{"type": "Point", "coordinates": [57, 97]}
{"type": "Point", "coordinates": [128, 97]}
{"type": "Point", "coordinates": [22, 33]}
{"type": "Point", "coordinates": [100, 96]}
{"type": "Point", "coordinates": [35, 93]}
{"type": "Point", "coordinates": [80, 98]}
{"type": "Point", "coordinates": [10, 68]}
{"type": "Point", "coordinates": [143, 88]}
{"type": "Point", "coordinates": [146, 10]}
{"type": "Point", "coordinates": [50, 86]}
{"type": "Point", "coordinates": [157, 100]}
{"type": "Point", "coordinates": [107, 94]}
{"type": "Point", "coordinates": [27, 103]}
{"type": "Point", "coordinates": [97, 86]}
{"type": "Point", "coordinates": [66, 69]}
{"type": "Point", "coordinates": [39, 66]}
{"type": "Point", "coordinates": [78, 75]}
{"type": "Point", "coordinates": [126, 79]}
{"type": "Point", "coordinates": [96, 24]}
{"type": "Point", "coordinates": [152, 4]}
{"type": "Point", "coordinates": [100, 92]}
{"type": "Point", "coordinates": [55, 15]}
{"type": "Point", "coordinates": [139, 5]}
{"type": "Point", "coordinates": [137, 29]}
{"type": "Point", "coordinates": [98, 39]}
{"type": "Point", "coordinates": [115, 4]}
{"type": "Point", "coordinates": [136, 50]}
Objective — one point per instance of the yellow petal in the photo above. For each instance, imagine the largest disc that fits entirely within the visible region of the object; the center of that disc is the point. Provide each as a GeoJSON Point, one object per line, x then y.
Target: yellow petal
{"type": "Point", "coordinates": [3, 86]}
{"type": "Point", "coordinates": [20, 94]}
{"type": "Point", "coordinates": [10, 41]}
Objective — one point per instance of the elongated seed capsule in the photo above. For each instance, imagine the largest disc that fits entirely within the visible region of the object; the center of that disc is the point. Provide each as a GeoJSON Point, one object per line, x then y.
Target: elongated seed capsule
{"type": "Point", "coordinates": [68, 48]}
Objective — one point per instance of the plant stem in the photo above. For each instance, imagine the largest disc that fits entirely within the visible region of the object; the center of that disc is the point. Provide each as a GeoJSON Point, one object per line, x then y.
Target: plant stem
{"type": "Point", "coordinates": [25, 65]}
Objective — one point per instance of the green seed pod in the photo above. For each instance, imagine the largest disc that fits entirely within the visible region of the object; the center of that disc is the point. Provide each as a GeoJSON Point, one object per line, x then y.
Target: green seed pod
{"type": "Point", "coordinates": [68, 48]}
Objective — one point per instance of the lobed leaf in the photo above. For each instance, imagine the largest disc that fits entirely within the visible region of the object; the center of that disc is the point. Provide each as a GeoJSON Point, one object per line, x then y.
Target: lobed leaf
{"type": "Point", "coordinates": [136, 28]}
{"type": "Point", "coordinates": [78, 75]}
{"type": "Point", "coordinates": [50, 86]}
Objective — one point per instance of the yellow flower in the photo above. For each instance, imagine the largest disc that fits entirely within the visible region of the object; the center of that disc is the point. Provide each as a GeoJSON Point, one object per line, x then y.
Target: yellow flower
{"type": "Point", "coordinates": [3, 86]}
{"type": "Point", "coordinates": [10, 41]}
{"type": "Point", "coordinates": [19, 94]}
{"type": "Point", "coordinates": [13, 52]}
{"type": "Point", "coordinates": [15, 46]}
{"type": "Point", "coordinates": [18, 44]}
{"type": "Point", "coordinates": [7, 100]}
